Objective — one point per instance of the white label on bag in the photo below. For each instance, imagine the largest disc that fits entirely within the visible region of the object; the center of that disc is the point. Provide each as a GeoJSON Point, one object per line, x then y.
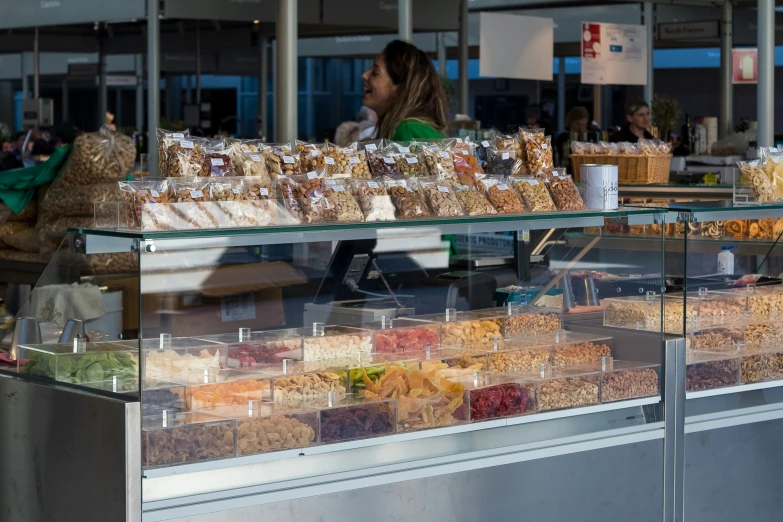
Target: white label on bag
{"type": "Point", "coordinates": [354, 160]}
{"type": "Point", "coordinates": [255, 157]}
{"type": "Point", "coordinates": [532, 182]}
{"type": "Point", "coordinates": [485, 144]}
{"type": "Point", "coordinates": [411, 160]}
{"type": "Point", "coordinates": [195, 194]}
{"type": "Point", "coordinates": [389, 160]}
{"type": "Point", "coordinates": [404, 150]}
{"type": "Point", "coordinates": [504, 155]}
{"type": "Point", "coordinates": [154, 193]}
{"type": "Point", "coordinates": [371, 147]}
{"type": "Point", "coordinates": [442, 189]}
{"type": "Point", "coordinates": [288, 159]}
{"type": "Point", "coordinates": [142, 192]}
{"type": "Point", "coordinates": [264, 192]}
{"type": "Point", "coordinates": [236, 191]}
{"type": "Point", "coordinates": [178, 135]}
{"type": "Point", "coordinates": [186, 144]}
{"type": "Point", "coordinates": [373, 184]}
{"type": "Point", "coordinates": [444, 155]}
{"type": "Point", "coordinates": [312, 175]}
{"type": "Point", "coordinates": [502, 186]}
{"type": "Point", "coordinates": [217, 162]}
{"type": "Point", "coordinates": [329, 161]}
{"type": "Point", "coordinates": [544, 146]}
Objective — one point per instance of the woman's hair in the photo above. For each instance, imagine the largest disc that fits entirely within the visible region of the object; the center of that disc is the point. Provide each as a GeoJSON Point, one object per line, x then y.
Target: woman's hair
{"type": "Point", "coordinates": [420, 94]}
{"type": "Point", "coordinates": [575, 114]}
{"type": "Point", "coordinates": [634, 106]}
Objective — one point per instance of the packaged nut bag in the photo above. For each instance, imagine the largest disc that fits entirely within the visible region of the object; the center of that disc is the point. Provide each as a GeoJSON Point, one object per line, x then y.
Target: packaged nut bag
{"type": "Point", "coordinates": [502, 196]}
{"type": "Point", "coordinates": [534, 194]}
{"type": "Point", "coordinates": [346, 208]}
{"type": "Point", "coordinates": [538, 149]}
{"type": "Point", "coordinates": [406, 200]}
{"type": "Point", "coordinates": [439, 196]}
{"type": "Point", "coordinates": [375, 202]}
{"type": "Point", "coordinates": [564, 192]}
{"type": "Point", "coordinates": [191, 203]}
{"type": "Point", "coordinates": [282, 161]}
{"type": "Point", "coordinates": [502, 161]}
{"type": "Point", "coordinates": [473, 202]}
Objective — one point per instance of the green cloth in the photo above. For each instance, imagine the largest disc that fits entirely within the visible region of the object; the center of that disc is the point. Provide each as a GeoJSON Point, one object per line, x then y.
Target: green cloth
{"type": "Point", "coordinates": [17, 186]}
{"type": "Point", "coordinates": [411, 129]}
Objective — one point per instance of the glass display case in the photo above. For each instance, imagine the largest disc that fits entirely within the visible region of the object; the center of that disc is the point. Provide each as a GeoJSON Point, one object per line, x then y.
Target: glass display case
{"type": "Point", "coordinates": [242, 343]}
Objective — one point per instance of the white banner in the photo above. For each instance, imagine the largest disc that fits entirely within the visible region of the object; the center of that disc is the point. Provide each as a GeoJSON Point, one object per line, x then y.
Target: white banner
{"type": "Point", "coordinates": [515, 46]}
{"type": "Point", "coordinates": [614, 54]}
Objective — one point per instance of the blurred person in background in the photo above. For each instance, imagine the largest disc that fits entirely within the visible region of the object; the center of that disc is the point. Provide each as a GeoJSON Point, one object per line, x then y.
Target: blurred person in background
{"type": "Point", "coordinates": [639, 121]}
{"type": "Point", "coordinates": [575, 129]}
{"type": "Point", "coordinates": [364, 128]}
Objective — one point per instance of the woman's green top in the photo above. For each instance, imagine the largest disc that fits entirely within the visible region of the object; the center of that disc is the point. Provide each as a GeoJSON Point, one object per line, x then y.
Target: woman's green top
{"type": "Point", "coordinates": [412, 129]}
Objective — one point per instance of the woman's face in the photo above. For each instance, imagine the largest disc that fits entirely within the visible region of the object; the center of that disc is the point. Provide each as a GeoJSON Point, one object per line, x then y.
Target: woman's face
{"type": "Point", "coordinates": [640, 118]}
{"type": "Point", "coordinates": [379, 90]}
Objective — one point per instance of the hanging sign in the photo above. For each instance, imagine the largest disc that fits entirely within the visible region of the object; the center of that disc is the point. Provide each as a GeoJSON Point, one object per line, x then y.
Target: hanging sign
{"type": "Point", "coordinates": [614, 54]}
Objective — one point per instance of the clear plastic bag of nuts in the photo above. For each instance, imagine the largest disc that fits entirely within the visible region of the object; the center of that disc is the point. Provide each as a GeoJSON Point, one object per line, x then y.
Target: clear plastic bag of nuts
{"type": "Point", "coordinates": [346, 209]}
{"type": "Point", "coordinates": [564, 192]}
{"type": "Point", "coordinates": [375, 202]}
{"type": "Point", "coordinates": [538, 149]}
{"type": "Point", "coordinates": [501, 195]}
{"type": "Point", "coordinates": [439, 196]}
{"type": "Point", "coordinates": [191, 203]}
{"type": "Point", "coordinates": [473, 202]}
{"type": "Point", "coordinates": [406, 200]}
{"type": "Point", "coordinates": [534, 194]}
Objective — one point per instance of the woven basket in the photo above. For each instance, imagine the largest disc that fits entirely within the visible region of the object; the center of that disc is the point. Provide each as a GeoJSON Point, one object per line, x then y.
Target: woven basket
{"type": "Point", "coordinates": [631, 170]}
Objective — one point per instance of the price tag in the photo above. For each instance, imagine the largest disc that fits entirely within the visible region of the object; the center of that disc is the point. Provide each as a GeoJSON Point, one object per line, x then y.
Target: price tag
{"type": "Point", "coordinates": [370, 147]}
{"type": "Point", "coordinates": [504, 155]}
{"type": "Point", "coordinates": [404, 150]}
{"type": "Point", "coordinates": [186, 144]}
{"type": "Point", "coordinates": [236, 190]}
{"type": "Point", "coordinates": [544, 146]}
{"type": "Point", "coordinates": [217, 162]}
{"type": "Point", "coordinates": [485, 143]}
{"type": "Point", "coordinates": [264, 191]}
{"type": "Point", "coordinates": [532, 182]}
{"type": "Point", "coordinates": [329, 161]}
{"type": "Point", "coordinates": [373, 184]}
{"type": "Point", "coordinates": [442, 189]}
{"type": "Point", "coordinates": [143, 192]}
{"type": "Point", "coordinates": [389, 161]}
{"type": "Point", "coordinates": [444, 155]}
{"type": "Point", "coordinates": [353, 160]}
{"type": "Point", "coordinates": [154, 193]}
{"type": "Point", "coordinates": [312, 175]}
{"type": "Point", "coordinates": [195, 194]}
{"type": "Point", "coordinates": [178, 135]}
{"type": "Point", "coordinates": [288, 159]}
{"type": "Point", "coordinates": [255, 157]}
{"type": "Point", "coordinates": [411, 160]}
{"type": "Point", "coordinates": [502, 186]}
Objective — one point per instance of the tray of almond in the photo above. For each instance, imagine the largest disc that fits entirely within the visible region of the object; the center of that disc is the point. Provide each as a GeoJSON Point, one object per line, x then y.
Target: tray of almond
{"type": "Point", "coordinates": [425, 399]}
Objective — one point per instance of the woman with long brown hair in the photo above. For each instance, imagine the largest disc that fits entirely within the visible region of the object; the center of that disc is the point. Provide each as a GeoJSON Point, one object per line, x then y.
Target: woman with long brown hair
{"type": "Point", "coordinates": [403, 88]}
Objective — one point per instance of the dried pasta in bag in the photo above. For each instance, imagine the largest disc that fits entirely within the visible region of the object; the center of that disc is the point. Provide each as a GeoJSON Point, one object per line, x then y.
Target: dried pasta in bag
{"type": "Point", "coordinates": [375, 202]}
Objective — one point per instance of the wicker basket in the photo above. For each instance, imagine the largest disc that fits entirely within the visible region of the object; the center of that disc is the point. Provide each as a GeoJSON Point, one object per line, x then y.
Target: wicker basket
{"type": "Point", "coordinates": [631, 169]}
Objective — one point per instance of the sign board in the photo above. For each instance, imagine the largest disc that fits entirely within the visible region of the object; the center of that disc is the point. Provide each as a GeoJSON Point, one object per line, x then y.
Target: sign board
{"type": "Point", "coordinates": [745, 65]}
{"type": "Point", "coordinates": [32, 13]}
{"type": "Point", "coordinates": [614, 54]}
{"type": "Point", "coordinates": [706, 30]}
{"type": "Point", "coordinates": [513, 46]}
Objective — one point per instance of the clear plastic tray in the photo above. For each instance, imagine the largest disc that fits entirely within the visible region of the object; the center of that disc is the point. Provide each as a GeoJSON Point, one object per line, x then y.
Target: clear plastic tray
{"type": "Point", "coordinates": [178, 438]}
{"type": "Point", "coordinates": [622, 380]}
